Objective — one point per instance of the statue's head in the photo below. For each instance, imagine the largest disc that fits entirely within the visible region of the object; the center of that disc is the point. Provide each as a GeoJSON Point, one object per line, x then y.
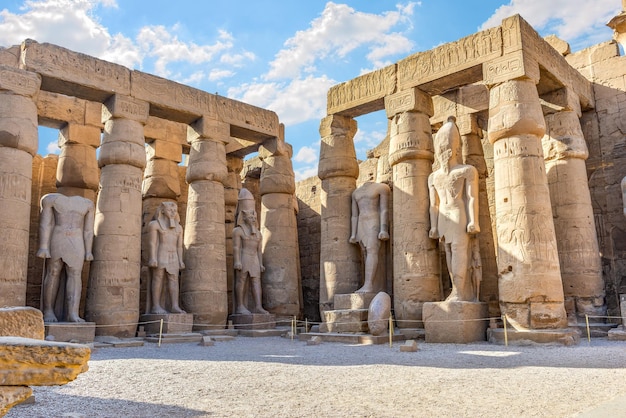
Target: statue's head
{"type": "Point", "coordinates": [448, 144]}
{"type": "Point", "coordinates": [245, 203]}
{"type": "Point", "coordinates": [167, 215]}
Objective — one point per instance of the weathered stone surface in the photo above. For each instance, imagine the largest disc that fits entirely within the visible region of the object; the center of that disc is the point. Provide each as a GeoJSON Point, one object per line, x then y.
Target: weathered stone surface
{"type": "Point", "coordinates": [23, 83]}
{"type": "Point", "coordinates": [83, 332]}
{"type": "Point", "coordinates": [11, 396]}
{"type": "Point", "coordinates": [25, 322]}
{"type": "Point", "coordinates": [354, 300]}
{"type": "Point", "coordinates": [253, 321]}
{"type": "Point", "coordinates": [24, 362]}
{"type": "Point", "coordinates": [455, 322]}
{"type": "Point", "coordinates": [345, 320]}
{"type": "Point", "coordinates": [173, 323]}
{"type": "Point", "coordinates": [378, 314]}
{"type": "Point", "coordinates": [409, 346]}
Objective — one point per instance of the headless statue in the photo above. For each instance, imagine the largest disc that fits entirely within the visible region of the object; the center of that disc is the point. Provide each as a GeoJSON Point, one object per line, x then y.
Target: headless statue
{"type": "Point", "coordinates": [453, 192]}
{"type": "Point", "coordinates": [370, 226]}
{"type": "Point", "coordinates": [165, 255]}
{"type": "Point", "coordinates": [65, 239]}
{"type": "Point", "coordinates": [248, 261]}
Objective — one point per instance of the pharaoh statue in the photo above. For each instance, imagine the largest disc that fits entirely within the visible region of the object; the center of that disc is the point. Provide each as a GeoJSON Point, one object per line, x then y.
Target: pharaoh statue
{"type": "Point", "coordinates": [453, 191]}
{"type": "Point", "coordinates": [65, 240]}
{"type": "Point", "coordinates": [247, 255]}
{"type": "Point", "coordinates": [165, 258]}
{"type": "Point", "coordinates": [369, 227]}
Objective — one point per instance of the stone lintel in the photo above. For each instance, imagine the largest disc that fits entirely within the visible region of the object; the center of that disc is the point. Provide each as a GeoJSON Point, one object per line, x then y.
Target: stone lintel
{"type": "Point", "coordinates": [20, 82]}
{"type": "Point", "coordinates": [206, 129]}
{"type": "Point", "coordinates": [275, 147]}
{"type": "Point", "coordinates": [163, 149]}
{"type": "Point", "coordinates": [73, 73]}
{"type": "Point", "coordinates": [455, 322]}
{"type": "Point", "coordinates": [73, 133]}
{"type": "Point", "coordinates": [55, 110]}
{"type": "Point", "coordinates": [247, 121]}
{"type": "Point", "coordinates": [410, 100]}
{"type": "Point", "coordinates": [514, 65]}
{"type": "Point", "coordinates": [363, 94]}
{"type": "Point", "coordinates": [165, 130]}
{"type": "Point", "coordinates": [125, 107]}
{"type": "Point", "coordinates": [81, 332]}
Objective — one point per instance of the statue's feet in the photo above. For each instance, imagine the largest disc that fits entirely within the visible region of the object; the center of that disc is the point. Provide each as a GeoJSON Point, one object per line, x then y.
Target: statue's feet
{"type": "Point", "coordinates": [365, 289]}
{"type": "Point", "coordinates": [49, 317]}
{"type": "Point", "coordinates": [75, 318]}
{"type": "Point", "coordinates": [177, 309]}
{"type": "Point", "coordinates": [157, 310]}
{"type": "Point", "coordinates": [241, 310]}
{"type": "Point", "coordinates": [261, 311]}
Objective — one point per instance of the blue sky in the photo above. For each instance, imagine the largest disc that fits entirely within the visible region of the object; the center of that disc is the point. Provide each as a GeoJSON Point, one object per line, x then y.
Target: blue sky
{"type": "Point", "coordinates": [282, 55]}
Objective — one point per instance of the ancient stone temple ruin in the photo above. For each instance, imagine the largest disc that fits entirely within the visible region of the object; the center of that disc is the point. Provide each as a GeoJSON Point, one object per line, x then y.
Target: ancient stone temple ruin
{"type": "Point", "coordinates": [494, 200]}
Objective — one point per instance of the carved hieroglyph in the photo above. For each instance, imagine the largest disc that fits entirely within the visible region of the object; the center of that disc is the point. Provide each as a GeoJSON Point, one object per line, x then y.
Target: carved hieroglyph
{"type": "Point", "coordinates": [453, 193]}
{"type": "Point", "coordinates": [65, 241]}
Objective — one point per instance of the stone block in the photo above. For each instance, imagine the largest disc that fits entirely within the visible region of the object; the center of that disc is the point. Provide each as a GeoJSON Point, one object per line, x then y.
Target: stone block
{"type": "Point", "coordinates": [317, 340]}
{"type": "Point", "coordinates": [77, 332]}
{"type": "Point", "coordinates": [409, 346]}
{"type": "Point", "coordinates": [353, 300]}
{"type": "Point", "coordinates": [345, 320]}
{"type": "Point", "coordinates": [11, 396]}
{"type": "Point", "coordinates": [378, 314]}
{"type": "Point", "coordinates": [25, 322]}
{"type": "Point", "coordinates": [19, 82]}
{"type": "Point", "coordinates": [565, 336]}
{"type": "Point", "coordinates": [617, 334]}
{"type": "Point", "coordinates": [207, 341]}
{"type": "Point", "coordinates": [173, 323]}
{"type": "Point", "coordinates": [455, 322]}
{"type": "Point", "coordinates": [74, 133]}
{"type": "Point", "coordinates": [25, 362]}
{"type": "Point", "coordinates": [253, 321]}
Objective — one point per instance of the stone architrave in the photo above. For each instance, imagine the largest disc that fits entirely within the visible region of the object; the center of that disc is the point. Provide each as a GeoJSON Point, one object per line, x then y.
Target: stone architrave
{"type": "Point", "coordinates": [18, 145]}
{"type": "Point", "coordinates": [415, 256]}
{"type": "Point", "coordinates": [113, 290]}
{"type": "Point", "coordinates": [565, 152]}
{"type": "Point", "coordinates": [530, 286]}
{"type": "Point", "coordinates": [338, 170]}
{"type": "Point", "coordinates": [204, 291]}
{"type": "Point", "coordinates": [281, 280]}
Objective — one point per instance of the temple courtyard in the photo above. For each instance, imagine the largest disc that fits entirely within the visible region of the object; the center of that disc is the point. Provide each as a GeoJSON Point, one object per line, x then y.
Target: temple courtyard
{"type": "Point", "coordinates": [281, 377]}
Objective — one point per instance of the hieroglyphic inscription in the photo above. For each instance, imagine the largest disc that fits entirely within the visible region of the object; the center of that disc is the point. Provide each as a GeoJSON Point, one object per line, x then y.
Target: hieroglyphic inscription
{"type": "Point", "coordinates": [15, 187]}
{"type": "Point", "coordinates": [449, 58]}
{"type": "Point", "coordinates": [127, 108]}
{"type": "Point", "coordinates": [63, 64]}
{"type": "Point", "coordinates": [20, 82]}
{"type": "Point", "coordinates": [247, 116]}
{"type": "Point", "coordinates": [172, 95]}
{"type": "Point", "coordinates": [362, 90]}
{"type": "Point", "coordinates": [509, 67]}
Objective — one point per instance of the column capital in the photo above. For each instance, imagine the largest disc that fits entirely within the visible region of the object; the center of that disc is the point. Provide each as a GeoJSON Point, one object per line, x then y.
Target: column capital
{"type": "Point", "coordinates": [514, 65]}
{"type": "Point", "coordinates": [410, 100]}
{"type": "Point", "coordinates": [208, 129]}
{"type": "Point", "coordinates": [21, 82]}
{"type": "Point", "coordinates": [337, 125]}
{"type": "Point", "coordinates": [74, 133]}
{"type": "Point", "coordinates": [125, 107]}
{"type": "Point", "coordinates": [337, 154]}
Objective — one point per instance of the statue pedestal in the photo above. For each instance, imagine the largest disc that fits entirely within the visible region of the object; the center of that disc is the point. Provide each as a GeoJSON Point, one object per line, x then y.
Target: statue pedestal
{"type": "Point", "coordinates": [564, 336]}
{"type": "Point", "coordinates": [82, 332]}
{"type": "Point", "coordinates": [173, 323]}
{"type": "Point", "coordinates": [253, 321]}
{"type": "Point", "coordinates": [455, 322]}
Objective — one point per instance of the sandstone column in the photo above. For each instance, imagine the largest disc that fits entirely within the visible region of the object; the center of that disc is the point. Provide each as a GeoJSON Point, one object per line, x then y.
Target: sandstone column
{"type": "Point", "coordinates": [18, 145]}
{"type": "Point", "coordinates": [113, 291]}
{"type": "Point", "coordinates": [565, 152]}
{"type": "Point", "coordinates": [281, 280]}
{"type": "Point", "coordinates": [530, 287]}
{"type": "Point", "coordinates": [416, 268]}
{"type": "Point", "coordinates": [232, 185]}
{"type": "Point", "coordinates": [338, 170]}
{"type": "Point", "coordinates": [203, 284]}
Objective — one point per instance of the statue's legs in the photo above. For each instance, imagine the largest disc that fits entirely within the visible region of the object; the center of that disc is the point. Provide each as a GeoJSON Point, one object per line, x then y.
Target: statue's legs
{"type": "Point", "coordinates": [51, 288]}
{"type": "Point", "coordinates": [157, 291]}
{"type": "Point", "coordinates": [73, 287]}
{"type": "Point", "coordinates": [242, 292]}
{"type": "Point", "coordinates": [370, 257]}
{"type": "Point", "coordinates": [256, 294]}
{"type": "Point", "coordinates": [457, 259]}
{"type": "Point", "coordinates": [172, 287]}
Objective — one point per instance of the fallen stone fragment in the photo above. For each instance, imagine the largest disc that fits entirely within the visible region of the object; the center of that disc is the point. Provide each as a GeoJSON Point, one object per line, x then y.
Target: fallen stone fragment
{"type": "Point", "coordinates": [409, 346]}
{"type": "Point", "coordinates": [22, 321]}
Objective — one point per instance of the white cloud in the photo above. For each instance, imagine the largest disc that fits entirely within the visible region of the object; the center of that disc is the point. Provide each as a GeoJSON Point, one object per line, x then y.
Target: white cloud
{"type": "Point", "coordinates": [295, 102]}
{"type": "Point", "coordinates": [215, 75]}
{"type": "Point", "coordinates": [303, 173]}
{"type": "Point", "coordinates": [576, 21]}
{"type": "Point", "coordinates": [338, 31]}
{"type": "Point", "coordinates": [53, 147]}
{"type": "Point", "coordinates": [306, 155]}
{"type": "Point", "coordinates": [237, 60]}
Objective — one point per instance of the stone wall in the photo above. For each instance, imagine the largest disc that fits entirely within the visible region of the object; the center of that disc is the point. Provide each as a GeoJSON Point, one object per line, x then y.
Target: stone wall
{"type": "Point", "coordinates": [605, 131]}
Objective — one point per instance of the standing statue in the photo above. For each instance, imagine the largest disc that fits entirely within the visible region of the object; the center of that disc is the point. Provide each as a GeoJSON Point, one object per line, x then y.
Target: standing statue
{"type": "Point", "coordinates": [370, 226]}
{"type": "Point", "coordinates": [247, 255]}
{"type": "Point", "coordinates": [453, 190]}
{"type": "Point", "coordinates": [65, 237]}
{"type": "Point", "coordinates": [165, 257]}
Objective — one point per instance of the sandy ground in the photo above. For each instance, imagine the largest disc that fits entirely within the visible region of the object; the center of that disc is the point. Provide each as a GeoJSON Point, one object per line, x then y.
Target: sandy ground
{"type": "Point", "coordinates": [280, 377]}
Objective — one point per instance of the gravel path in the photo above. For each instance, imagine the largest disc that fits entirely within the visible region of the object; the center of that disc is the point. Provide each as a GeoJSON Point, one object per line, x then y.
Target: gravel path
{"type": "Point", "coordinates": [278, 377]}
